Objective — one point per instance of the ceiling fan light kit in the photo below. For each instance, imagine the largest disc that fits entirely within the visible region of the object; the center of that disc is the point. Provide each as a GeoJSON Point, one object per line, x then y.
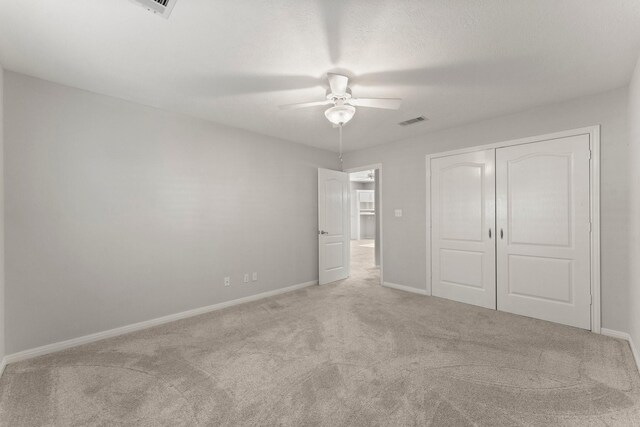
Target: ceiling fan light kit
{"type": "Point", "coordinates": [340, 114]}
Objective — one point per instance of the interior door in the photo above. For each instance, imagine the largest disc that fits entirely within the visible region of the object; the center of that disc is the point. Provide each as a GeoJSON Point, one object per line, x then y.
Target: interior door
{"type": "Point", "coordinates": [463, 228]}
{"type": "Point", "coordinates": [543, 245]}
{"type": "Point", "coordinates": [333, 225]}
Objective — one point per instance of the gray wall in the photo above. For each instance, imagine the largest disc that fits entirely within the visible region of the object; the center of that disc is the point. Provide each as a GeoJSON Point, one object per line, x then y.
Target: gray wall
{"type": "Point", "coordinates": [2, 304]}
{"type": "Point", "coordinates": [634, 205]}
{"type": "Point", "coordinates": [404, 186]}
{"type": "Point", "coordinates": [118, 213]}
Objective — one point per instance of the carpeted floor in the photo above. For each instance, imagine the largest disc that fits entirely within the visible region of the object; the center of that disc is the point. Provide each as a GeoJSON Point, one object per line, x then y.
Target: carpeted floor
{"type": "Point", "coordinates": [349, 353]}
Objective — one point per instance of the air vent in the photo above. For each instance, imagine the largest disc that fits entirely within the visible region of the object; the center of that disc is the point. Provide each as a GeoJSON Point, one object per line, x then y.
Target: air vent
{"type": "Point", "coordinates": [413, 121]}
{"type": "Point", "coordinates": [159, 7]}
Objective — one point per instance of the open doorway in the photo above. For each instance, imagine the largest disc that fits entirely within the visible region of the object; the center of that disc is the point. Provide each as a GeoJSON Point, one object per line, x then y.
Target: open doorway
{"type": "Point", "coordinates": [365, 223]}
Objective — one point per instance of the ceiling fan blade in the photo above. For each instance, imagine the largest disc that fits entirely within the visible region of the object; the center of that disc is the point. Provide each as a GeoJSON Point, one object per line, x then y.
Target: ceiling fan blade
{"type": "Point", "coordinates": [338, 83]}
{"type": "Point", "coordinates": [386, 103]}
{"type": "Point", "coordinates": [305, 104]}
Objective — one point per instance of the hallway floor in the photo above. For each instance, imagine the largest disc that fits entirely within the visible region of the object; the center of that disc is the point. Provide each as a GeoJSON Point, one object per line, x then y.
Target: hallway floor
{"type": "Point", "coordinates": [363, 261]}
{"type": "Point", "coordinates": [348, 353]}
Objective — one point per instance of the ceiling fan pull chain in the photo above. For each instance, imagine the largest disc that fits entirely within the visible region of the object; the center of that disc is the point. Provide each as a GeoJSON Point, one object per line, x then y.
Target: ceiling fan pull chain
{"type": "Point", "coordinates": [340, 157]}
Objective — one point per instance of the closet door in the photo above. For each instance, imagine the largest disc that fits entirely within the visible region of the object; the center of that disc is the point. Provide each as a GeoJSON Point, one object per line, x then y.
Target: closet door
{"type": "Point", "coordinates": [463, 228]}
{"type": "Point", "coordinates": [543, 219]}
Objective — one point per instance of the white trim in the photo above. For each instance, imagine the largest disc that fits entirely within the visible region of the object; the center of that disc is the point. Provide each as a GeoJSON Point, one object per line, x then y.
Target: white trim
{"type": "Point", "coordinates": [594, 189]}
{"type": "Point", "coordinates": [623, 336]}
{"type": "Point", "coordinates": [594, 192]}
{"type": "Point", "coordinates": [404, 288]}
{"type": "Point", "coordinates": [428, 289]}
{"type": "Point", "coordinates": [3, 364]}
{"type": "Point", "coordinates": [377, 166]}
{"type": "Point", "coordinates": [615, 334]}
{"type": "Point", "coordinates": [528, 140]}
{"type": "Point", "coordinates": [62, 345]}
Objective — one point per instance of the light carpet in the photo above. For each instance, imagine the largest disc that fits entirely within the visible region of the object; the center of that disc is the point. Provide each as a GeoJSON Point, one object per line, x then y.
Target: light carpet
{"type": "Point", "coordinates": [350, 353]}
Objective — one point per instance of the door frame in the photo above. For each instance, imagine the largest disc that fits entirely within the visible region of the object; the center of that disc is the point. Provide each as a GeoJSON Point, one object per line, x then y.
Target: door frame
{"type": "Point", "coordinates": [379, 188]}
{"type": "Point", "coordinates": [594, 208]}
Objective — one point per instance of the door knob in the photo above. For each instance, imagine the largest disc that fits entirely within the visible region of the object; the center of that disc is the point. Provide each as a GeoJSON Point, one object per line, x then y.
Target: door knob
{"type": "Point", "coordinates": [323, 232]}
{"type": "Point", "coordinates": [501, 233]}
{"type": "Point", "coordinates": [489, 233]}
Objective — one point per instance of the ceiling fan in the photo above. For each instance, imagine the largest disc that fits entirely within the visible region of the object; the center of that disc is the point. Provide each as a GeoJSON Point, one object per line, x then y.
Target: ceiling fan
{"type": "Point", "coordinates": [344, 104]}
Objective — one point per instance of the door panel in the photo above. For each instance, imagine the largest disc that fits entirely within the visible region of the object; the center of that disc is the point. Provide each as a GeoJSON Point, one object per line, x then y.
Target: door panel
{"type": "Point", "coordinates": [463, 213]}
{"type": "Point", "coordinates": [543, 250]}
{"type": "Point", "coordinates": [333, 225]}
{"type": "Point", "coordinates": [451, 260]}
{"type": "Point", "coordinates": [461, 201]}
{"type": "Point", "coordinates": [551, 275]}
{"type": "Point", "coordinates": [548, 193]}
{"type": "Point", "coordinates": [334, 206]}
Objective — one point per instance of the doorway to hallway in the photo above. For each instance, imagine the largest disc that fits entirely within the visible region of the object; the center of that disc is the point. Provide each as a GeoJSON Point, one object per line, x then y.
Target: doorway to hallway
{"type": "Point", "coordinates": [365, 222]}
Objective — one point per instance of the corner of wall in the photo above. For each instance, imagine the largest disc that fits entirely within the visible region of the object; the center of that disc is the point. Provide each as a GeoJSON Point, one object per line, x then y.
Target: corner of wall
{"type": "Point", "coordinates": [2, 304]}
{"type": "Point", "coordinates": [634, 205]}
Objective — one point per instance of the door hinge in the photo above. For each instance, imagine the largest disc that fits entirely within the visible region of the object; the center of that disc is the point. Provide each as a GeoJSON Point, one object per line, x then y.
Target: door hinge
{"type": "Point", "coordinates": [589, 154]}
{"type": "Point", "coordinates": [591, 299]}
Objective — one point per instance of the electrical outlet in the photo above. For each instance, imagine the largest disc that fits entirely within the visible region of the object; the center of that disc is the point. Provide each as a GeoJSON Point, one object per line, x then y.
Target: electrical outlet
{"type": "Point", "coordinates": [255, 276]}
{"type": "Point", "coordinates": [227, 281]}
{"type": "Point", "coordinates": [246, 278]}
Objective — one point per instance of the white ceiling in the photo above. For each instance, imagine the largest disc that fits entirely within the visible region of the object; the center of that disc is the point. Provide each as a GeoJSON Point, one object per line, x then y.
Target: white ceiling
{"type": "Point", "coordinates": [234, 61]}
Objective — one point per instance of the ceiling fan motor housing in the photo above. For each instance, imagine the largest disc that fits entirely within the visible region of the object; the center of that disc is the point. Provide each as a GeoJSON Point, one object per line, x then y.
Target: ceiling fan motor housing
{"type": "Point", "coordinates": [333, 96]}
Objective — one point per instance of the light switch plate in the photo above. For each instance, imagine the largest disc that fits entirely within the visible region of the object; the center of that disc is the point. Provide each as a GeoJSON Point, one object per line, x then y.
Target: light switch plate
{"type": "Point", "coordinates": [398, 213]}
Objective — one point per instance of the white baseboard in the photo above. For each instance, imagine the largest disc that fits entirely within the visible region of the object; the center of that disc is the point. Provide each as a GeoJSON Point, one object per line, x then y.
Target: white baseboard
{"type": "Point", "coordinates": [623, 336]}
{"type": "Point", "coordinates": [404, 288]}
{"type": "Point", "coordinates": [51, 348]}
{"type": "Point", "coordinates": [3, 364]}
{"type": "Point", "coordinates": [615, 334]}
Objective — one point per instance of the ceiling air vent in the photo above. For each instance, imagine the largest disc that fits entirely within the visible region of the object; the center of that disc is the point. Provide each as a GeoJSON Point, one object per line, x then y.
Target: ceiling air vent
{"type": "Point", "coordinates": [159, 7]}
{"type": "Point", "coordinates": [412, 121]}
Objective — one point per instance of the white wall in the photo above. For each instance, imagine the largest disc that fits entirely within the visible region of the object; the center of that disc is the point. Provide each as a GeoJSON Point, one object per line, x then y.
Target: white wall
{"type": "Point", "coordinates": [634, 207]}
{"type": "Point", "coordinates": [118, 213]}
{"type": "Point", "coordinates": [404, 186]}
{"type": "Point", "coordinates": [2, 304]}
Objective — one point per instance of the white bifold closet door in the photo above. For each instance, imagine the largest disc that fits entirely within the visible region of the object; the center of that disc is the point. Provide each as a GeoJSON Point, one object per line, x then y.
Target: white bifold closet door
{"type": "Point", "coordinates": [463, 228]}
{"type": "Point", "coordinates": [510, 229]}
{"type": "Point", "coordinates": [543, 220]}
